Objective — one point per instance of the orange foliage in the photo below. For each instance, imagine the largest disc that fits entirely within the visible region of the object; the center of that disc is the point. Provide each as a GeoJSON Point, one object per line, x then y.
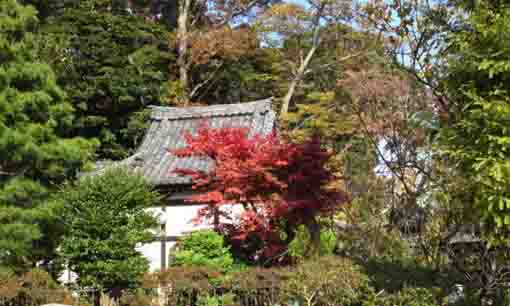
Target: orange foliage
{"type": "Point", "coordinates": [225, 43]}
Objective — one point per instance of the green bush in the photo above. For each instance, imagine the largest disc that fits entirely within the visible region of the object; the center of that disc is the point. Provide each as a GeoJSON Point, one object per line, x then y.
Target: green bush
{"type": "Point", "coordinates": [216, 300]}
{"type": "Point", "coordinates": [203, 248]}
{"type": "Point", "coordinates": [323, 282]}
{"type": "Point", "coordinates": [201, 279]}
{"type": "Point", "coordinates": [298, 246]}
{"type": "Point", "coordinates": [406, 297]}
{"type": "Point", "coordinates": [256, 285]}
{"type": "Point", "coordinates": [138, 297]}
{"type": "Point", "coordinates": [400, 273]}
{"type": "Point", "coordinates": [185, 283]}
{"type": "Point", "coordinates": [326, 281]}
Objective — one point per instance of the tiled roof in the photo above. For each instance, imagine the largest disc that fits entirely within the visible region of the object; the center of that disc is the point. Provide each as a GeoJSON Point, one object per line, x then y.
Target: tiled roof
{"type": "Point", "coordinates": [168, 124]}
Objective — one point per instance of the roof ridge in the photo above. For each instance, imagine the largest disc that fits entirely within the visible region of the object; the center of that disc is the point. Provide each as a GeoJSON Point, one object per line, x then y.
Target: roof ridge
{"type": "Point", "coordinates": [166, 112]}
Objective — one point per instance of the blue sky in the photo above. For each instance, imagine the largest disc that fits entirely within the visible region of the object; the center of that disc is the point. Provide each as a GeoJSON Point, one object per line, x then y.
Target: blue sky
{"type": "Point", "coordinates": [300, 2]}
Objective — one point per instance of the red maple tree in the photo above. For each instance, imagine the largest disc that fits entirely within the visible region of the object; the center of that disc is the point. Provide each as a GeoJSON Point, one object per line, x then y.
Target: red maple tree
{"type": "Point", "coordinates": [280, 185]}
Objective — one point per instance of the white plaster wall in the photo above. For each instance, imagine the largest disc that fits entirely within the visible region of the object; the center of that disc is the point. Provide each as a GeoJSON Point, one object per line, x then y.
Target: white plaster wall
{"type": "Point", "coordinates": [179, 221]}
{"type": "Point", "coordinates": [152, 251]}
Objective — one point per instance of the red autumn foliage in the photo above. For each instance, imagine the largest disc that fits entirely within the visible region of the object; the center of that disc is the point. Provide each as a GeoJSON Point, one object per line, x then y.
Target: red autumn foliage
{"type": "Point", "coordinates": [280, 184]}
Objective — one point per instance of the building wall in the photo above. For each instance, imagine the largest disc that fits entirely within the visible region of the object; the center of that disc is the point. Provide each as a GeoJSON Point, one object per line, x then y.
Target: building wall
{"type": "Point", "coordinates": [175, 221]}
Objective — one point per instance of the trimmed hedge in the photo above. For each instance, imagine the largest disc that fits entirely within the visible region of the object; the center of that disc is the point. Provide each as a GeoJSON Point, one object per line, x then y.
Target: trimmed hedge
{"type": "Point", "coordinates": [35, 287]}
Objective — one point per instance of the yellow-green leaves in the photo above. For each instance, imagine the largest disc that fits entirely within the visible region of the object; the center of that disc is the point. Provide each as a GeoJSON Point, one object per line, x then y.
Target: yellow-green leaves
{"type": "Point", "coordinates": [478, 138]}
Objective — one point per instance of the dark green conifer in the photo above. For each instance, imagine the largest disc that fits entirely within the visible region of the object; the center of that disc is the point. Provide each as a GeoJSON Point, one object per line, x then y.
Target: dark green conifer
{"type": "Point", "coordinates": [36, 152]}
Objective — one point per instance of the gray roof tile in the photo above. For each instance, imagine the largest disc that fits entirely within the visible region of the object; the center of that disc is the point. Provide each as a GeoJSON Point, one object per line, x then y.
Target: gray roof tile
{"type": "Point", "coordinates": [168, 124]}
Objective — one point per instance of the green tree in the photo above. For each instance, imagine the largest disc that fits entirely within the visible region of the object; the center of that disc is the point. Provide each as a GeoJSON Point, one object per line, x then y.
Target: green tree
{"type": "Point", "coordinates": [476, 135]}
{"type": "Point", "coordinates": [459, 50]}
{"type": "Point", "coordinates": [112, 65]}
{"type": "Point", "coordinates": [247, 78]}
{"type": "Point", "coordinates": [106, 219]}
{"type": "Point", "coordinates": [37, 152]}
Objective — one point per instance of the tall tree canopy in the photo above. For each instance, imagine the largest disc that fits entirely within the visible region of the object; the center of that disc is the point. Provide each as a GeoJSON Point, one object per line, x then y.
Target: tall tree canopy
{"type": "Point", "coordinates": [37, 152]}
{"type": "Point", "coordinates": [476, 134]}
{"type": "Point", "coordinates": [208, 36]}
{"type": "Point", "coordinates": [113, 64]}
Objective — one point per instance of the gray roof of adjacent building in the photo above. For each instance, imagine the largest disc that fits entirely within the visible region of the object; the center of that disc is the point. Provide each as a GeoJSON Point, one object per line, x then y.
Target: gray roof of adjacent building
{"type": "Point", "coordinates": [167, 128]}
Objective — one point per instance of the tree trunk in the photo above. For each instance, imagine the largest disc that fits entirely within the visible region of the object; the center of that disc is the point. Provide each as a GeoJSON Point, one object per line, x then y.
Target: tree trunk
{"type": "Point", "coordinates": [290, 232]}
{"type": "Point", "coordinates": [169, 10]}
{"type": "Point", "coordinates": [182, 37]}
{"type": "Point", "coordinates": [306, 62]}
{"type": "Point", "coordinates": [96, 297]}
{"type": "Point", "coordinates": [314, 229]}
{"type": "Point", "coordinates": [296, 80]}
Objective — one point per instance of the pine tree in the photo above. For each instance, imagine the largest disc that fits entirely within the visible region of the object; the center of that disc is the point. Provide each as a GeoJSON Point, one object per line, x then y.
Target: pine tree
{"type": "Point", "coordinates": [36, 153]}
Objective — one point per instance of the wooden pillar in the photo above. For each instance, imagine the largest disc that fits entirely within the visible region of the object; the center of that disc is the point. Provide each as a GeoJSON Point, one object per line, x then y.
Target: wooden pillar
{"type": "Point", "coordinates": [163, 247]}
{"type": "Point", "coordinates": [163, 241]}
{"type": "Point", "coordinates": [216, 220]}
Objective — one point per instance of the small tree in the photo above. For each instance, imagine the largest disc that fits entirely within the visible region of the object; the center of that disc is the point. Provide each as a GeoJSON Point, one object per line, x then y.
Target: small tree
{"type": "Point", "coordinates": [280, 185]}
{"type": "Point", "coordinates": [106, 220]}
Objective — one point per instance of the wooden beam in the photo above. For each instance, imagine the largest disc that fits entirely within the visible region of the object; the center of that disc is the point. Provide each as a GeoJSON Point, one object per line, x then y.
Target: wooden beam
{"type": "Point", "coordinates": [168, 238]}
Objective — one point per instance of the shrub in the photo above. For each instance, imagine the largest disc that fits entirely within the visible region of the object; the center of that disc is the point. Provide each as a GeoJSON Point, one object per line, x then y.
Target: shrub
{"type": "Point", "coordinates": [255, 278]}
{"type": "Point", "coordinates": [256, 286]}
{"type": "Point", "coordinates": [406, 297]}
{"type": "Point", "coordinates": [10, 285]}
{"type": "Point", "coordinates": [185, 284]}
{"type": "Point", "coordinates": [138, 297]}
{"type": "Point", "coordinates": [216, 300]}
{"type": "Point", "coordinates": [328, 242]}
{"type": "Point", "coordinates": [35, 287]}
{"type": "Point", "coordinates": [323, 282]}
{"type": "Point", "coordinates": [204, 248]}
{"type": "Point", "coordinates": [326, 281]}
{"type": "Point", "coordinates": [400, 273]}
